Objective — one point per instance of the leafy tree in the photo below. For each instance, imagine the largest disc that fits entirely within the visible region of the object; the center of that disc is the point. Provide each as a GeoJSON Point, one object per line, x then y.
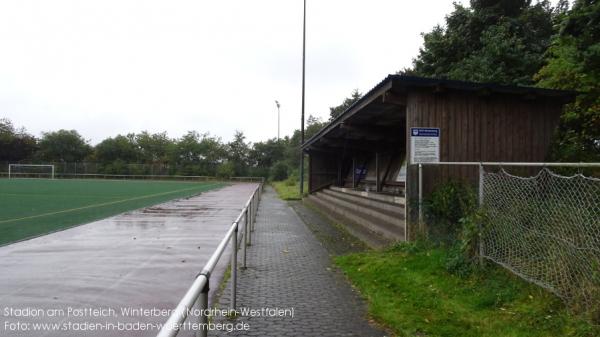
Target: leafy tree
{"type": "Point", "coordinates": [121, 148]}
{"type": "Point", "coordinates": [574, 63]}
{"type": "Point", "coordinates": [187, 149]}
{"type": "Point", "coordinates": [279, 171]}
{"type": "Point", "coordinates": [213, 151]}
{"type": "Point", "coordinates": [348, 101]}
{"type": "Point", "coordinates": [501, 41]}
{"type": "Point", "coordinates": [15, 145]}
{"type": "Point", "coordinates": [226, 170]}
{"type": "Point", "coordinates": [198, 154]}
{"type": "Point", "coordinates": [237, 153]}
{"type": "Point", "coordinates": [292, 153]}
{"type": "Point", "coordinates": [63, 146]}
{"type": "Point", "coordinates": [154, 148]}
{"type": "Point", "coordinates": [265, 154]}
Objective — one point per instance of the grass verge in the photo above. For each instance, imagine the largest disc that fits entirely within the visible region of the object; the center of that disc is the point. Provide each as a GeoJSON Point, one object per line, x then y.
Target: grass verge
{"type": "Point", "coordinates": [413, 294]}
{"type": "Point", "coordinates": [288, 189]}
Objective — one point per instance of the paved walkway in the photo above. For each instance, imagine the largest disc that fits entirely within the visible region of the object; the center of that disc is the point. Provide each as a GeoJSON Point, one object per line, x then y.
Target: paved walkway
{"type": "Point", "coordinates": [289, 268]}
{"type": "Point", "coordinates": [141, 259]}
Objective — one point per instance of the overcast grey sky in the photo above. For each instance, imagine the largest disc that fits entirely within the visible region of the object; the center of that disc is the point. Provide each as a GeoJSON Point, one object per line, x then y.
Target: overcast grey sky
{"type": "Point", "coordinates": [117, 66]}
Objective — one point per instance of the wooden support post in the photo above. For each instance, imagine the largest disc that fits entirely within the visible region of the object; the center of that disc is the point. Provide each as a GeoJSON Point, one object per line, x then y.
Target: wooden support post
{"type": "Point", "coordinates": [310, 173]}
{"type": "Point", "coordinates": [353, 172]}
{"type": "Point", "coordinates": [339, 171]}
{"type": "Point", "coordinates": [377, 183]}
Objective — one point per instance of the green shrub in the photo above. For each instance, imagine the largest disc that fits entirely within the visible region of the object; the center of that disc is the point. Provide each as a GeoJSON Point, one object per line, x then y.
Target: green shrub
{"type": "Point", "coordinates": [411, 247]}
{"type": "Point", "coordinates": [226, 170]}
{"type": "Point", "coordinates": [292, 181]}
{"type": "Point", "coordinates": [279, 171]}
{"type": "Point", "coordinates": [445, 207]}
{"type": "Point", "coordinates": [258, 172]}
{"type": "Point", "coordinates": [464, 253]}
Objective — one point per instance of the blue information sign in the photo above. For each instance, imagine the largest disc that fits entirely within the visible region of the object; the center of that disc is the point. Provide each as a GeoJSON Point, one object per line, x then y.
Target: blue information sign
{"type": "Point", "coordinates": [424, 145]}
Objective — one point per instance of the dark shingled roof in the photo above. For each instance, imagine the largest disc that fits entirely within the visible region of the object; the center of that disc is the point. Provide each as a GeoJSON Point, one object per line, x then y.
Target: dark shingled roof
{"type": "Point", "coordinates": [408, 82]}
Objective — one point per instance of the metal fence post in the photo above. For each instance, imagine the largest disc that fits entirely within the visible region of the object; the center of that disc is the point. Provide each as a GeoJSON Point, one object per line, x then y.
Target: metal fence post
{"type": "Point", "coordinates": [245, 247]}
{"type": "Point", "coordinates": [234, 241]}
{"type": "Point", "coordinates": [203, 305]}
{"type": "Point", "coordinates": [255, 210]}
{"type": "Point", "coordinates": [249, 214]}
{"type": "Point", "coordinates": [421, 199]}
{"type": "Point", "coordinates": [480, 204]}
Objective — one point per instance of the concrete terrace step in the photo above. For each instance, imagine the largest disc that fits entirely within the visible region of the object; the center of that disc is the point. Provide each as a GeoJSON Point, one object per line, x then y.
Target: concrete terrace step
{"type": "Point", "coordinates": [395, 220]}
{"type": "Point", "coordinates": [371, 195]}
{"type": "Point", "coordinates": [373, 221]}
{"type": "Point", "coordinates": [372, 239]}
{"type": "Point", "coordinates": [392, 210]}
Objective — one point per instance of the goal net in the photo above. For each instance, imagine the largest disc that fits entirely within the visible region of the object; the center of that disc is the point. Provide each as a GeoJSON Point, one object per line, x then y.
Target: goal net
{"type": "Point", "coordinates": [30, 171]}
{"type": "Point", "coordinates": [546, 229]}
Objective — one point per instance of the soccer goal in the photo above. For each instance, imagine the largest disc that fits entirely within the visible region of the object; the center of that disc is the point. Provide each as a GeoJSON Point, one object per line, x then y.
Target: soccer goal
{"type": "Point", "coordinates": [30, 171]}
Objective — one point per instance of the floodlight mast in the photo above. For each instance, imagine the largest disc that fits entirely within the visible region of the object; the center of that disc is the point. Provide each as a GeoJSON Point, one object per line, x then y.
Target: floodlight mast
{"type": "Point", "coordinates": [303, 85]}
{"type": "Point", "coordinates": [278, 119]}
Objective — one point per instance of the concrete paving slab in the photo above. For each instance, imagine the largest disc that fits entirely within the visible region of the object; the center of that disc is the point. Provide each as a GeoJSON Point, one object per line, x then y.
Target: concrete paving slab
{"type": "Point", "coordinates": [292, 270]}
{"type": "Point", "coordinates": [141, 259]}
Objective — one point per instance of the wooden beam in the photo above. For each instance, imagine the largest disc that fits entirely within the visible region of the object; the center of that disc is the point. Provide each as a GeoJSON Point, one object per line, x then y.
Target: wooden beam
{"type": "Point", "coordinates": [530, 96]}
{"type": "Point", "coordinates": [362, 103]}
{"type": "Point", "coordinates": [369, 132]}
{"type": "Point", "coordinates": [439, 89]}
{"type": "Point", "coordinates": [393, 98]}
{"type": "Point", "coordinates": [484, 92]}
{"type": "Point", "coordinates": [357, 144]}
{"type": "Point", "coordinates": [322, 149]}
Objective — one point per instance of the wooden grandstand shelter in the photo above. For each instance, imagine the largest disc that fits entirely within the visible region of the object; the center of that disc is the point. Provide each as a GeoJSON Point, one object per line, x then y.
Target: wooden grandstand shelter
{"type": "Point", "coordinates": [367, 147]}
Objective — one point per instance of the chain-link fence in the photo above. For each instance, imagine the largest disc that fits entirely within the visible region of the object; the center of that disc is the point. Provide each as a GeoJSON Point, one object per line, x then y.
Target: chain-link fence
{"type": "Point", "coordinates": [546, 229]}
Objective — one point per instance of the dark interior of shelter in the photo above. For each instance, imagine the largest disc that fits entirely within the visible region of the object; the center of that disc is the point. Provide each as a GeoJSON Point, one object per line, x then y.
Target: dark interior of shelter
{"type": "Point", "coordinates": [370, 142]}
{"type": "Point", "coordinates": [360, 172]}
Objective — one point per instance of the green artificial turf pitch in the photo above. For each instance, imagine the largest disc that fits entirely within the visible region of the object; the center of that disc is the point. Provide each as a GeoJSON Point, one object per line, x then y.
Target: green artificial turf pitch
{"type": "Point", "coordinates": [31, 207]}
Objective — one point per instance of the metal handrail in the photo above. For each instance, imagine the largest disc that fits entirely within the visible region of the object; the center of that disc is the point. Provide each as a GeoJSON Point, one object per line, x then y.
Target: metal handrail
{"type": "Point", "coordinates": [198, 291]}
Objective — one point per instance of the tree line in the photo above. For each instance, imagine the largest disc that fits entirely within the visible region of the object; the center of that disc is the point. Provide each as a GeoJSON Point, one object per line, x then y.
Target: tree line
{"type": "Point", "coordinates": [194, 153]}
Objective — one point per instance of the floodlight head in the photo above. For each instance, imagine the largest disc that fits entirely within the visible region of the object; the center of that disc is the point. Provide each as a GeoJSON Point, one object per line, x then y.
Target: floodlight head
{"type": "Point", "coordinates": [277, 103]}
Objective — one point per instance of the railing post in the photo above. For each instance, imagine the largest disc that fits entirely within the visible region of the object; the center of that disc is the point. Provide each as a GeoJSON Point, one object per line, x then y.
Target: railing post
{"type": "Point", "coordinates": [256, 208]}
{"type": "Point", "coordinates": [234, 241]}
{"type": "Point", "coordinates": [254, 203]}
{"type": "Point", "coordinates": [421, 225]}
{"type": "Point", "coordinates": [249, 214]}
{"type": "Point", "coordinates": [203, 305]}
{"type": "Point", "coordinates": [245, 238]}
{"type": "Point", "coordinates": [257, 202]}
{"type": "Point", "coordinates": [252, 214]}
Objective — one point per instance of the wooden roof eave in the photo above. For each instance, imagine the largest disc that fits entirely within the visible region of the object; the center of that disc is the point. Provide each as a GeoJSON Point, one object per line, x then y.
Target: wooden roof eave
{"type": "Point", "coordinates": [356, 107]}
